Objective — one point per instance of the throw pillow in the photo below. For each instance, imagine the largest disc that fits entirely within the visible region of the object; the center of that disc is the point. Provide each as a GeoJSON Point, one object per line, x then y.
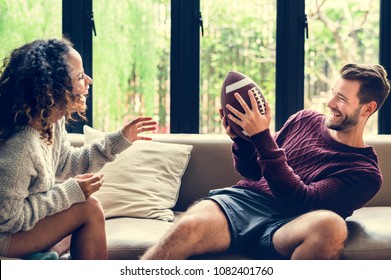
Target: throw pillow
{"type": "Point", "coordinates": [144, 180]}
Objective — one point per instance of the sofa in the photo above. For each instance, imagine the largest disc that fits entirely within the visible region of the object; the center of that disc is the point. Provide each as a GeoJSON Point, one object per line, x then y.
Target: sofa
{"type": "Point", "coordinates": [210, 166]}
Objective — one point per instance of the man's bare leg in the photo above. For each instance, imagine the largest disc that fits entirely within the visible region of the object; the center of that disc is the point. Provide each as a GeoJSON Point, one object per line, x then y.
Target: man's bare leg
{"type": "Point", "coordinates": [319, 234]}
{"type": "Point", "coordinates": [202, 229]}
{"type": "Point", "coordinates": [85, 221]}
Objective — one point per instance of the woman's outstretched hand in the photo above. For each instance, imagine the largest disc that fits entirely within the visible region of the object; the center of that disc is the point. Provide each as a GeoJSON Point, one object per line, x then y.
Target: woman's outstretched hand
{"type": "Point", "coordinates": [132, 129]}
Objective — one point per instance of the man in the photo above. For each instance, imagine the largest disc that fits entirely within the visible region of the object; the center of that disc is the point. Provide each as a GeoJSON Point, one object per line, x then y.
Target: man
{"type": "Point", "coordinates": [299, 185]}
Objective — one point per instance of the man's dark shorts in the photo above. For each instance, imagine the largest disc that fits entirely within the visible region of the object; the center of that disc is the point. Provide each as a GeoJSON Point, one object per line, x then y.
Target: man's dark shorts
{"type": "Point", "coordinates": [253, 218]}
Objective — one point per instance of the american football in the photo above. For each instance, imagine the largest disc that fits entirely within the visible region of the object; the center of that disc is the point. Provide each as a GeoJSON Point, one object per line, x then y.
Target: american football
{"type": "Point", "coordinates": [240, 83]}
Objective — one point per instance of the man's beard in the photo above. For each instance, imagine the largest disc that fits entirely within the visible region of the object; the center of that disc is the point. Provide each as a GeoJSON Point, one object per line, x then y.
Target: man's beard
{"type": "Point", "coordinates": [346, 122]}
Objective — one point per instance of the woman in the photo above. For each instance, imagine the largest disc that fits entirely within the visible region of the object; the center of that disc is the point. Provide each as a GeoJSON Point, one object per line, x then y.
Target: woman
{"type": "Point", "coordinates": [46, 185]}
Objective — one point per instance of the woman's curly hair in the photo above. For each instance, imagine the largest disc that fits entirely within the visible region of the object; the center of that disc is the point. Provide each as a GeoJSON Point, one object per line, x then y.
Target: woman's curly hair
{"type": "Point", "coordinates": [33, 80]}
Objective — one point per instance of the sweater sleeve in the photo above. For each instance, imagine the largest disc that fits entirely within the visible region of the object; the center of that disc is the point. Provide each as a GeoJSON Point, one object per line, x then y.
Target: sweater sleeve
{"type": "Point", "coordinates": [348, 190]}
{"type": "Point", "coordinates": [89, 158]}
{"type": "Point", "coordinates": [21, 207]}
{"type": "Point", "coordinates": [245, 159]}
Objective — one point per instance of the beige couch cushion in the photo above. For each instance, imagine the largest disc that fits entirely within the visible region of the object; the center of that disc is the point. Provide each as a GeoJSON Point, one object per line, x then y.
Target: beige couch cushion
{"type": "Point", "coordinates": [369, 234]}
{"type": "Point", "coordinates": [128, 238]}
{"type": "Point", "coordinates": [381, 143]}
{"type": "Point", "coordinates": [144, 180]}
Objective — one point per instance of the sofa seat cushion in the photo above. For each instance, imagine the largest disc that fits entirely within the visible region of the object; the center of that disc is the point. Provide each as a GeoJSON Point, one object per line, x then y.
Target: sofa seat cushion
{"type": "Point", "coordinates": [369, 234]}
{"type": "Point", "coordinates": [128, 238]}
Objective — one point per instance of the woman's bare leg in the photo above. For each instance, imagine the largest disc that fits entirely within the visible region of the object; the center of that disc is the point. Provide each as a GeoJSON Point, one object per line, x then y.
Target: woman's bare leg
{"type": "Point", "coordinates": [85, 221]}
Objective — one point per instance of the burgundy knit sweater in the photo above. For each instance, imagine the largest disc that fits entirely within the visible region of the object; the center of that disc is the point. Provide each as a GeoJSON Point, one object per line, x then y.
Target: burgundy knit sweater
{"type": "Point", "coordinates": [305, 169]}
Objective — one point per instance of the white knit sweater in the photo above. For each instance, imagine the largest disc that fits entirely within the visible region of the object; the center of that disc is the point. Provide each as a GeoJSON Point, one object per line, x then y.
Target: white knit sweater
{"type": "Point", "coordinates": [31, 172]}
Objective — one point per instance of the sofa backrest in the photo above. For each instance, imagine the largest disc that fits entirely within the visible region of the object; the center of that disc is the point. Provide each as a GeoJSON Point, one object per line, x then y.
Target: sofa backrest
{"type": "Point", "coordinates": [211, 165]}
{"type": "Point", "coordinates": [382, 145]}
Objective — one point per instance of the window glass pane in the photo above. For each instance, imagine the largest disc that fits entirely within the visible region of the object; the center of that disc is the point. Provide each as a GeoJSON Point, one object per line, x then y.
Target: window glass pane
{"type": "Point", "coordinates": [22, 21]}
{"type": "Point", "coordinates": [131, 59]}
{"type": "Point", "coordinates": [238, 35]}
{"type": "Point", "coordinates": [339, 32]}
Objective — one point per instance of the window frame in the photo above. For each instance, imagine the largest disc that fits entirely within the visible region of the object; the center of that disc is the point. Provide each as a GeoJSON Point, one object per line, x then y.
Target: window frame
{"type": "Point", "coordinates": [185, 67]}
{"type": "Point", "coordinates": [289, 60]}
{"type": "Point", "coordinates": [185, 59]}
{"type": "Point", "coordinates": [77, 26]}
{"type": "Point", "coordinates": [384, 118]}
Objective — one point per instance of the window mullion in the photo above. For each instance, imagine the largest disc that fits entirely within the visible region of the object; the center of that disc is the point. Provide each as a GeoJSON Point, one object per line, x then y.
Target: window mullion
{"type": "Point", "coordinates": [384, 117]}
{"type": "Point", "coordinates": [185, 66]}
{"type": "Point", "coordinates": [77, 26]}
{"type": "Point", "coordinates": [289, 59]}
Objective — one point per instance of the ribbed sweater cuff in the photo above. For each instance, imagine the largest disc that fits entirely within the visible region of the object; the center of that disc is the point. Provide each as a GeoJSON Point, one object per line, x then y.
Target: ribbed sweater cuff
{"type": "Point", "coordinates": [73, 190]}
{"type": "Point", "coordinates": [243, 145]}
{"type": "Point", "coordinates": [118, 141]}
{"type": "Point", "coordinates": [240, 141]}
{"type": "Point", "coordinates": [265, 144]}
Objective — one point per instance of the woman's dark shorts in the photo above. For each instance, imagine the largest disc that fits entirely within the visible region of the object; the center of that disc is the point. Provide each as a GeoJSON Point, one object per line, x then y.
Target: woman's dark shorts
{"type": "Point", "coordinates": [253, 218]}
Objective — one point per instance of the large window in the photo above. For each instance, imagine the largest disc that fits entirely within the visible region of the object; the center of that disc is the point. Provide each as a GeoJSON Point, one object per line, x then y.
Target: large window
{"type": "Point", "coordinates": [149, 57]}
{"type": "Point", "coordinates": [238, 35]}
{"type": "Point", "coordinates": [131, 62]}
{"type": "Point", "coordinates": [340, 31]}
{"type": "Point", "coordinates": [22, 21]}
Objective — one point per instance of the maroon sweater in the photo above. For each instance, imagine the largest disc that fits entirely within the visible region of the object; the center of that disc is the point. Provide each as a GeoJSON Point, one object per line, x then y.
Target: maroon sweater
{"type": "Point", "coordinates": [305, 169]}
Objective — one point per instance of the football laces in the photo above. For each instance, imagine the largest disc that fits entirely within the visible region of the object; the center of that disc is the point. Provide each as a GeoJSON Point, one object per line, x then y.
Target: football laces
{"type": "Point", "coordinates": [259, 98]}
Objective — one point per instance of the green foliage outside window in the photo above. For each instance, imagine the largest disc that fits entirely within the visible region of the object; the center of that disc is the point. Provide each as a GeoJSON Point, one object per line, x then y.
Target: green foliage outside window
{"type": "Point", "coordinates": [131, 54]}
{"type": "Point", "coordinates": [340, 31]}
{"type": "Point", "coordinates": [239, 35]}
{"type": "Point", "coordinates": [22, 21]}
{"type": "Point", "coordinates": [131, 62]}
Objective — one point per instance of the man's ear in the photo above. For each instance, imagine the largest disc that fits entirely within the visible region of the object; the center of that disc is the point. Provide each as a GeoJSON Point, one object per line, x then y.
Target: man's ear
{"type": "Point", "coordinates": [369, 108]}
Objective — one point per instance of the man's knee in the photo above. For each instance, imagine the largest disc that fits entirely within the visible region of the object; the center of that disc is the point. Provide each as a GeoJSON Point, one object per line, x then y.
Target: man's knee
{"type": "Point", "coordinates": [319, 234]}
{"type": "Point", "coordinates": [197, 217]}
{"type": "Point", "coordinates": [330, 226]}
{"type": "Point", "coordinates": [203, 222]}
{"type": "Point", "coordinates": [203, 228]}
{"type": "Point", "coordinates": [188, 225]}
{"type": "Point", "coordinates": [328, 234]}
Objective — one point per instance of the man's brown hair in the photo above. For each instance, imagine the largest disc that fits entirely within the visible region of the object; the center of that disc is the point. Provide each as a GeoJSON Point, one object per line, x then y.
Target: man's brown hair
{"type": "Point", "coordinates": [374, 85]}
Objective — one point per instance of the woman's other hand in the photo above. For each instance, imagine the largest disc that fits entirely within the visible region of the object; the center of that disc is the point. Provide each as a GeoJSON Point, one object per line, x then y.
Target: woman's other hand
{"type": "Point", "coordinates": [89, 183]}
